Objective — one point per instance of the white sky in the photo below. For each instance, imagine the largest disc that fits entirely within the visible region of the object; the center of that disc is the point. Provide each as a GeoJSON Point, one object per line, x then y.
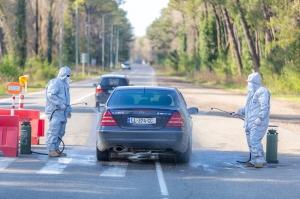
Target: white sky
{"type": "Point", "coordinates": [141, 13]}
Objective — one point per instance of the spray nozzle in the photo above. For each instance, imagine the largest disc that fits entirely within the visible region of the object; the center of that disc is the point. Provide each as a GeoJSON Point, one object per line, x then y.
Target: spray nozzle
{"type": "Point", "coordinates": [79, 103]}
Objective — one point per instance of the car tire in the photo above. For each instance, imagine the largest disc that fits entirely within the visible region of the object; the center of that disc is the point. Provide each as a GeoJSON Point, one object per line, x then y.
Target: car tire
{"type": "Point", "coordinates": [185, 156]}
{"type": "Point", "coordinates": [97, 104]}
{"type": "Point", "coordinates": [103, 155]}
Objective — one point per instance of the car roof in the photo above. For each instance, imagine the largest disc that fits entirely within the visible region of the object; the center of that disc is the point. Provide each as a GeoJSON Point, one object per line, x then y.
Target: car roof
{"type": "Point", "coordinates": [145, 87]}
{"type": "Point", "coordinates": [113, 75]}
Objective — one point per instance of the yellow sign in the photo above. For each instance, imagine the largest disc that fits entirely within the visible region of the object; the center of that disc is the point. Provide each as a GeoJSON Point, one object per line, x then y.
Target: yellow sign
{"type": "Point", "coordinates": [14, 88]}
{"type": "Point", "coordinates": [23, 80]}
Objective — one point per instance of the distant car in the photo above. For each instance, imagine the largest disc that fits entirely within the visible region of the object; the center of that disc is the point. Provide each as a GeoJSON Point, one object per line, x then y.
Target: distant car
{"type": "Point", "coordinates": [126, 65]}
{"type": "Point", "coordinates": [145, 119]}
{"type": "Point", "coordinates": [106, 85]}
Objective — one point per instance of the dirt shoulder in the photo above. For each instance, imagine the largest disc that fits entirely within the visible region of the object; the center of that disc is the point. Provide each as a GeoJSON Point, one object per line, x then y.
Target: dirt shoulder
{"type": "Point", "coordinates": [284, 113]}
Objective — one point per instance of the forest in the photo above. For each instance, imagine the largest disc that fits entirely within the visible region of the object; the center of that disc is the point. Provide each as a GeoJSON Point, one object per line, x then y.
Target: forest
{"type": "Point", "coordinates": [223, 41]}
{"type": "Point", "coordinates": [37, 37]}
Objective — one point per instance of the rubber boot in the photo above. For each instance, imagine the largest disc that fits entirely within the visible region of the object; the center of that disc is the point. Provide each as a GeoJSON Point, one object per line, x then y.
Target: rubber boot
{"type": "Point", "coordinates": [53, 153]}
{"type": "Point", "coordinates": [249, 164]}
{"type": "Point", "coordinates": [60, 153]}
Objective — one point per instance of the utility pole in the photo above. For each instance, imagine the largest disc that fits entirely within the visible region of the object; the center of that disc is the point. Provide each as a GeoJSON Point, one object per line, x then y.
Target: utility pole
{"type": "Point", "coordinates": [103, 41]}
{"type": "Point", "coordinates": [117, 49]}
{"type": "Point", "coordinates": [88, 40]}
{"type": "Point", "coordinates": [60, 35]}
{"type": "Point", "coordinates": [76, 39]}
{"type": "Point", "coordinates": [111, 44]}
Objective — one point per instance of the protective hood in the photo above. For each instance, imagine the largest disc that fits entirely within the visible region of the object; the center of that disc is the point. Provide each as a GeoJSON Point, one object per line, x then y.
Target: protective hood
{"type": "Point", "coordinates": [63, 72]}
{"type": "Point", "coordinates": [254, 78]}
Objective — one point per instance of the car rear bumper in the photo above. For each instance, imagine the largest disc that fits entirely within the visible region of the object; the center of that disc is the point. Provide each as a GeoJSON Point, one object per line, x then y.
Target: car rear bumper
{"type": "Point", "coordinates": [101, 98]}
{"type": "Point", "coordinates": [143, 140]}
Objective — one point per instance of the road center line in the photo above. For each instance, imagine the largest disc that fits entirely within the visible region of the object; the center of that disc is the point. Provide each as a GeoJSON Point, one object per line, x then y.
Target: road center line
{"type": "Point", "coordinates": [161, 180]}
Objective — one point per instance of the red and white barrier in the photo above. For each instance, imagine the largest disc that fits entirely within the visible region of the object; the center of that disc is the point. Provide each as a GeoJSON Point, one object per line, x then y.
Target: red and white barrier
{"type": "Point", "coordinates": [12, 111]}
{"type": "Point", "coordinates": [21, 100]}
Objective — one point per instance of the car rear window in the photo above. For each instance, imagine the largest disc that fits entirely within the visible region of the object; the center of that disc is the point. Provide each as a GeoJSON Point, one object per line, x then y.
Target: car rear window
{"type": "Point", "coordinates": [141, 98]}
{"type": "Point", "coordinates": [113, 82]}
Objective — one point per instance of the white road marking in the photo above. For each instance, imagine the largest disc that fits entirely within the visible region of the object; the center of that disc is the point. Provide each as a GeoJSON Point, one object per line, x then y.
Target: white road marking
{"type": "Point", "coordinates": [115, 169]}
{"type": "Point", "coordinates": [5, 162]}
{"type": "Point", "coordinates": [78, 100]}
{"type": "Point", "coordinates": [161, 180]}
{"type": "Point", "coordinates": [55, 167]}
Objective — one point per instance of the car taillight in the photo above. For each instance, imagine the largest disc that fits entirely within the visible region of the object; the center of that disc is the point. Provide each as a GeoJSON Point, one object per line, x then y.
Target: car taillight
{"type": "Point", "coordinates": [108, 120]}
{"type": "Point", "coordinates": [175, 120]}
{"type": "Point", "coordinates": [99, 89]}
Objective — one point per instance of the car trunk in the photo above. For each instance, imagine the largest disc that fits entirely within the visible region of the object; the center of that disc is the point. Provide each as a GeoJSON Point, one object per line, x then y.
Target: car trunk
{"type": "Point", "coordinates": [145, 118]}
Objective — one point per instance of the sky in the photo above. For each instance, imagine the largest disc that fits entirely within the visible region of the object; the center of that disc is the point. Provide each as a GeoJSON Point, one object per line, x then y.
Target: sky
{"type": "Point", "coordinates": [141, 13]}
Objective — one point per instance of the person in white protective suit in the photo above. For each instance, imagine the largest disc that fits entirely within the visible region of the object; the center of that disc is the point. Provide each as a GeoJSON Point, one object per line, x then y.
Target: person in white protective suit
{"type": "Point", "coordinates": [256, 113]}
{"type": "Point", "coordinates": [57, 110]}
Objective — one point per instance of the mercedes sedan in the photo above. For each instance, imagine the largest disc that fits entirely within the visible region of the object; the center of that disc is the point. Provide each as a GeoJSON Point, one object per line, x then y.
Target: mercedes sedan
{"type": "Point", "coordinates": [145, 119]}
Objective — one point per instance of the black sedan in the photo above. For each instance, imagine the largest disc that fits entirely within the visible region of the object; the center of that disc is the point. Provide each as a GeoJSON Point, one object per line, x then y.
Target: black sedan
{"type": "Point", "coordinates": [145, 119]}
{"type": "Point", "coordinates": [106, 85]}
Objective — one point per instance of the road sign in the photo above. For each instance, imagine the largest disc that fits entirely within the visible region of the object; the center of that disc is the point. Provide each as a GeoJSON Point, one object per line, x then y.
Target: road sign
{"type": "Point", "coordinates": [84, 58]}
{"type": "Point", "coordinates": [23, 80]}
{"type": "Point", "coordinates": [14, 88]}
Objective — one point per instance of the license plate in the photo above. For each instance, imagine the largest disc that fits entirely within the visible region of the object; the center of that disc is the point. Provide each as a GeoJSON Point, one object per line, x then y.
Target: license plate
{"type": "Point", "coordinates": [138, 120]}
{"type": "Point", "coordinates": [110, 91]}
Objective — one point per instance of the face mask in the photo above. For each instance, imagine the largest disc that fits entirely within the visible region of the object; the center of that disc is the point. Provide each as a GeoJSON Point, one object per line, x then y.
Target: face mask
{"type": "Point", "coordinates": [68, 80]}
{"type": "Point", "coordinates": [250, 87]}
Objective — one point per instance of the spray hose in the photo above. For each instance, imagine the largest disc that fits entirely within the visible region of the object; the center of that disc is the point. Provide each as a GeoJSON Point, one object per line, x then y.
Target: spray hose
{"type": "Point", "coordinates": [58, 136]}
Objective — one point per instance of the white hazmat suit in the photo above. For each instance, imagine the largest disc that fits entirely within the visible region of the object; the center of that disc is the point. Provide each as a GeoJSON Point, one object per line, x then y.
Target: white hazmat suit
{"type": "Point", "coordinates": [256, 113]}
{"type": "Point", "coordinates": [57, 110]}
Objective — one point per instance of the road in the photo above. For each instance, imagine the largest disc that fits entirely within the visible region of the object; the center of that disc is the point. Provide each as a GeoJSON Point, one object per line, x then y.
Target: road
{"type": "Point", "coordinates": [213, 172]}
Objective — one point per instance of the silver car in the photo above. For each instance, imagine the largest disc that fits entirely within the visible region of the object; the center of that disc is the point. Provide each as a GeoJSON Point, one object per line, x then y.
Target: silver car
{"type": "Point", "coordinates": [145, 119]}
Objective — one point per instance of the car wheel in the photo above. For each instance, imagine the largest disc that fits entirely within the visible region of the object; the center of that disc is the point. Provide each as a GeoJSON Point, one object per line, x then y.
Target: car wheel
{"type": "Point", "coordinates": [97, 104]}
{"type": "Point", "coordinates": [103, 155]}
{"type": "Point", "coordinates": [185, 156]}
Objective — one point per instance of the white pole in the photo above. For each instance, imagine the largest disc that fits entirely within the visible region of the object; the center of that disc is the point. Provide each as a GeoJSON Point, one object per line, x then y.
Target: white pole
{"type": "Point", "coordinates": [12, 111]}
{"type": "Point", "coordinates": [60, 35]}
{"type": "Point", "coordinates": [76, 40]}
{"type": "Point", "coordinates": [111, 43]}
{"type": "Point", "coordinates": [103, 26]}
{"type": "Point", "coordinates": [88, 40]}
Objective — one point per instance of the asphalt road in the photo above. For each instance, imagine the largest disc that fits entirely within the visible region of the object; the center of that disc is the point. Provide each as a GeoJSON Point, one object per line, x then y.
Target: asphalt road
{"type": "Point", "coordinates": [213, 172]}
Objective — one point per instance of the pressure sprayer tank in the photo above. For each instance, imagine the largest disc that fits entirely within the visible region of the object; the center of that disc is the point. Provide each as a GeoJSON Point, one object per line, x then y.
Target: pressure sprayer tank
{"type": "Point", "coordinates": [25, 138]}
{"type": "Point", "coordinates": [272, 145]}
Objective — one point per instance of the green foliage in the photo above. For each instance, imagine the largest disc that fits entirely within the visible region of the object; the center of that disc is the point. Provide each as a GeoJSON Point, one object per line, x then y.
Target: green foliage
{"type": "Point", "coordinates": [39, 70]}
{"type": "Point", "coordinates": [208, 42]}
{"type": "Point", "coordinates": [274, 29]}
{"type": "Point", "coordinates": [174, 60]}
{"type": "Point", "coordinates": [9, 70]}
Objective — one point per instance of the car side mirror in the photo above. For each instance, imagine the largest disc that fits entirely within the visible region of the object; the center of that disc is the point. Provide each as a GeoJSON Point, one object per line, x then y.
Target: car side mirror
{"type": "Point", "coordinates": [101, 108]}
{"type": "Point", "coordinates": [193, 110]}
{"type": "Point", "coordinates": [95, 85]}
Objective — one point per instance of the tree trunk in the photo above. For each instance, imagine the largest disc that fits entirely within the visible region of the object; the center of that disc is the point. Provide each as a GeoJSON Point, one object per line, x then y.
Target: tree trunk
{"type": "Point", "coordinates": [21, 49]}
{"type": "Point", "coordinates": [237, 39]}
{"type": "Point", "coordinates": [248, 37]}
{"type": "Point", "coordinates": [220, 47]}
{"type": "Point", "coordinates": [233, 42]}
{"type": "Point", "coordinates": [50, 33]}
{"type": "Point", "coordinates": [268, 35]}
{"type": "Point", "coordinates": [37, 27]}
{"type": "Point", "coordinates": [225, 38]}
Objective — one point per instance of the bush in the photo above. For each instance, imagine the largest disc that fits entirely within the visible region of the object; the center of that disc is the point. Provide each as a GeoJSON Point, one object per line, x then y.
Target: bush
{"type": "Point", "coordinates": [39, 71]}
{"type": "Point", "coordinates": [9, 70]}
